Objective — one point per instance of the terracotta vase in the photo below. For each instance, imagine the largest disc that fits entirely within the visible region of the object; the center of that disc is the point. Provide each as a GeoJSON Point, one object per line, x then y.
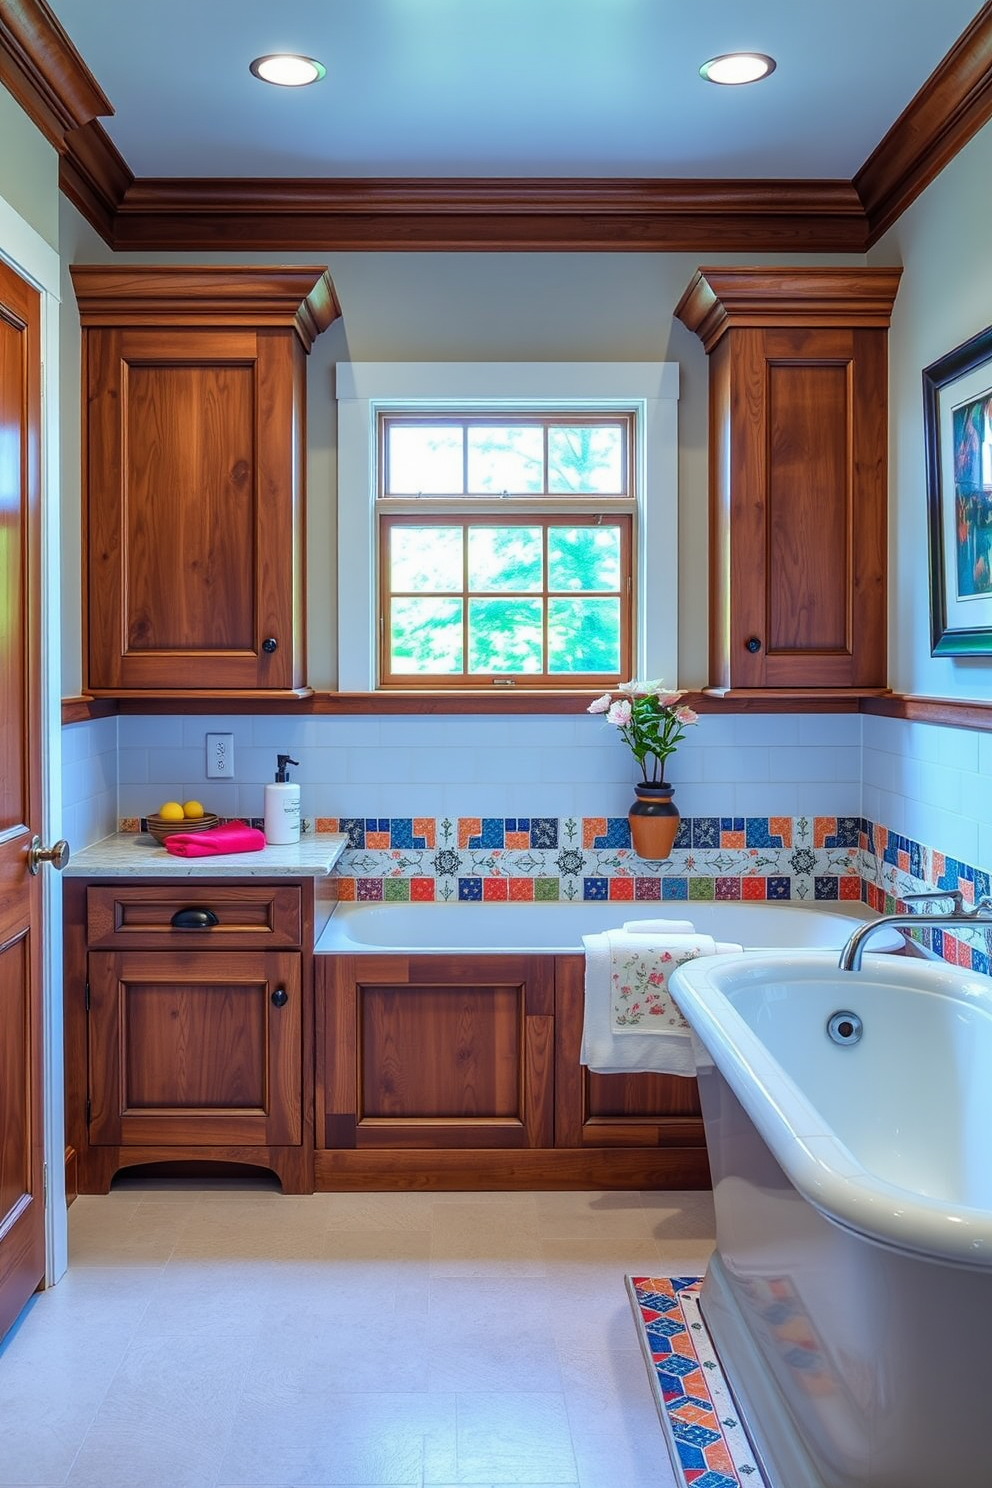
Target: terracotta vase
{"type": "Point", "coordinates": [654, 821]}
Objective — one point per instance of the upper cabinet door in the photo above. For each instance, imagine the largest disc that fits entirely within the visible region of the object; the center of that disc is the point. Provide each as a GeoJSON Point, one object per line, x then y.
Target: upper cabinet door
{"type": "Point", "coordinates": [194, 460]}
{"type": "Point", "coordinates": [798, 483]}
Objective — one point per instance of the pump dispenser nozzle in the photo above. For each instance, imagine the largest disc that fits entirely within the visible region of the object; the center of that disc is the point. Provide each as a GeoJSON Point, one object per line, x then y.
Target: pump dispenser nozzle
{"type": "Point", "coordinates": [282, 774]}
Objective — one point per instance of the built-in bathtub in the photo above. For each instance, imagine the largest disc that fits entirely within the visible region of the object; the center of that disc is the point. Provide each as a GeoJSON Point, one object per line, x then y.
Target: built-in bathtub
{"type": "Point", "coordinates": [449, 1046]}
{"type": "Point", "coordinates": [850, 1292]}
{"type": "Point", "coordinates": [558, 928]}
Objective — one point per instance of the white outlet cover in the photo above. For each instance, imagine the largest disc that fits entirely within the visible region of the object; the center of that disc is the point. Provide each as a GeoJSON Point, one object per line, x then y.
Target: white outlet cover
{"type": "Point", "coordinates": [220, 756]}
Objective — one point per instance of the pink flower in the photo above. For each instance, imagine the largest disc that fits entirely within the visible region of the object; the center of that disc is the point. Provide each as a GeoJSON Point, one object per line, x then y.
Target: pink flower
{"type": "Point", "coordinates": [601, 705]}
{"type": "Point", "coordinates": [686, 715]}
{"type": "Point", "coordinates": [619, 713]}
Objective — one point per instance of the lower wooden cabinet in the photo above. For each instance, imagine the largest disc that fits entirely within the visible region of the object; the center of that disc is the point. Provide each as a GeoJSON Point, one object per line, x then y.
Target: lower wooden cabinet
{"type": "Point", "coordinates": [189, 1027]}
{"type": "Point", "coordinates": [463, 1072]}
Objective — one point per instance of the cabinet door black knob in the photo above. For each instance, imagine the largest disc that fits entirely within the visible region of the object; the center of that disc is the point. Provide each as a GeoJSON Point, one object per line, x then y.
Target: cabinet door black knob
{"type": "Point", "coordinates": [752, 644]}
{"type": "Point", "coordinates": [270, 644]}
{"type": "Point", "coordinates": [280, 997]}
{"type": "Point", "coordinates": [194, 919]}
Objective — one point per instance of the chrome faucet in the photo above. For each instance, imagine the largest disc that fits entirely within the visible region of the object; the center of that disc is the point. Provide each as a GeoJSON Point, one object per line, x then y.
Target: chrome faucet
{"type": "Point", "coordinates": [960, 916]}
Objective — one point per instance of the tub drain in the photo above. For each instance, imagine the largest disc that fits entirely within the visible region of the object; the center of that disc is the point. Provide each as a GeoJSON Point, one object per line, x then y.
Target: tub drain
{"type": "Point", "coordinates": [844, 1028]}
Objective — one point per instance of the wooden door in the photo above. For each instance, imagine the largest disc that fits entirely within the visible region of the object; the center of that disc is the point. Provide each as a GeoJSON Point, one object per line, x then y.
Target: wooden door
{"type": "Point", "coordinates": [193, 516]}
{"type": "Point", "coordinates": [807, 507]}
{"type": "Point", "coordinates": [195, 1048]}
{"type": "Point", "coordinates": [437, 1052]}
{"type": "Point", "coordinates": [22, 1215]}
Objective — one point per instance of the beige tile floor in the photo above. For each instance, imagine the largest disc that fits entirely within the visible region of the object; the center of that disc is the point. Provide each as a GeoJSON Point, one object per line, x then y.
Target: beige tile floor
{"type": "Point", "coordinates": [226, 1336]}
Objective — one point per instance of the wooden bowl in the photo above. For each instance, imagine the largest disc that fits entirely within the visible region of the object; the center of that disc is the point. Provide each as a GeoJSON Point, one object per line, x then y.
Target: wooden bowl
{"type": "Point", "coordinates": [160, 829]}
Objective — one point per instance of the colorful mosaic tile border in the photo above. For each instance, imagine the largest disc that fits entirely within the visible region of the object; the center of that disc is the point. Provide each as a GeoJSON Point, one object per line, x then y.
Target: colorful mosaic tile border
{"type": "Point", "coordinates": [495, 859]}
{"type": "Point", "coordinates": [706, 1439]}
{"type": "Point", "coordinates": [893, 866]}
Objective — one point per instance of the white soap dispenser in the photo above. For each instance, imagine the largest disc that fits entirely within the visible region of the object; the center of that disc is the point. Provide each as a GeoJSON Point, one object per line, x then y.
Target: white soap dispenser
{"type": "Point", "coordinates": [282, 805]}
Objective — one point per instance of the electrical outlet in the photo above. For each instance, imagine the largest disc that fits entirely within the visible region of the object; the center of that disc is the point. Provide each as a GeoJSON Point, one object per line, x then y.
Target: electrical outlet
{"type": "Point", "coordinates": [220, 756]}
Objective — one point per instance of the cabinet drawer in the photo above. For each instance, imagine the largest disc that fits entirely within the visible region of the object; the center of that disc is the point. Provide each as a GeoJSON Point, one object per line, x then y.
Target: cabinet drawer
{"type": "Point", "coordinates": [237, 915]}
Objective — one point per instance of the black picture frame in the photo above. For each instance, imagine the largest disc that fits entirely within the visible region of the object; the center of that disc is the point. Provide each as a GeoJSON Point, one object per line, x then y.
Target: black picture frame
{"type": "Point", "coordinates": [957, 399]}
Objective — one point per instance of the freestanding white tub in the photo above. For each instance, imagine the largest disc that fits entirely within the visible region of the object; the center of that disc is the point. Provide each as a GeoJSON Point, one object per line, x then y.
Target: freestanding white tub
{"type": "Point", "coordinates": [850, 1293]}
{"type": "Point", "coordinates": [558, 928]}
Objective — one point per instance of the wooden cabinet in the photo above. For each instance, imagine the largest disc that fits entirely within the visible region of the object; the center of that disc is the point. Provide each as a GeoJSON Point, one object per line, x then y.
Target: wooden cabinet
{"type": "Point", "coordinates": [463, 1072]}
{"type": "Point", "coordinates": [194, 454]}
{"type": "Point", "coordinates": [798, 473]}
{"type": "Point", "coordinates": [188, 1014]}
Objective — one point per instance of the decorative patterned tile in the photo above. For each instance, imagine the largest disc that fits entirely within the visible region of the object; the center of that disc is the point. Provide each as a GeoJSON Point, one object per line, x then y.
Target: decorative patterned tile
{"type": "Point", "coordinates": [422, 890]}
{"type": "Point", "coordinates": [647, 889]}
{"type": "Point", "coordinates": [546, 889]}
{"type": "Point", "coordinates": [825, 886]}
{"type": "Point", "coordinates": [495, 890]}
{"type": "Point", "coordinates": [595, 888]}
{"type": "Point", "coordinates": [544, 831]}
{"type": "Point", "coordinates": [470, 890]}
{"type": "Point", "coordinates": [369, 889]}
{"type": "Point", "coordinates": [396, 890]}
{"type": "Point", "coordinates": [521, 890]}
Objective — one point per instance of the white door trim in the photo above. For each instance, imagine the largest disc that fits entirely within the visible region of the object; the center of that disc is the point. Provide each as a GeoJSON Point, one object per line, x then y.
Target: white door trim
{"type": "Point", "coordinates": [37, 262]}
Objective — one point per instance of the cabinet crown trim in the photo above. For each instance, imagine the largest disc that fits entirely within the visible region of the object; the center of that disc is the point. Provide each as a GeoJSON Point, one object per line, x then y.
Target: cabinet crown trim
{"type": "Point", "coordinates": [720, 299]}
{"type": "Point", "coordinates": [255, 296]}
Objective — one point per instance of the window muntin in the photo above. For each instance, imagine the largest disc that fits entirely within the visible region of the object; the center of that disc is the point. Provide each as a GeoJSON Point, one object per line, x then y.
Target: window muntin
{"type": "Point", "coordinates": [484, 600]}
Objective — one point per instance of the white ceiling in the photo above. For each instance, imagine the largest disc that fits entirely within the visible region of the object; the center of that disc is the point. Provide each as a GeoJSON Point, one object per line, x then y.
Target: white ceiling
{"type": "Point", "coordinates": [567, 88]}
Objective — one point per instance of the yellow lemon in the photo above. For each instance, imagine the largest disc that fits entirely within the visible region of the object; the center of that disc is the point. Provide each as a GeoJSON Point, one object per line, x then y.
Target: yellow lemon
{"type": "Point", "coordinates": [192, 809]}
{"type": "Point", "coordinates": [171, 811]}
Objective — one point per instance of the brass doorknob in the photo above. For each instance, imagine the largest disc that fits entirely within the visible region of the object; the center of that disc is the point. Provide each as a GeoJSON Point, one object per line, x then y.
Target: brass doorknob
{"type": "Point", "coordinates": [58, 855]}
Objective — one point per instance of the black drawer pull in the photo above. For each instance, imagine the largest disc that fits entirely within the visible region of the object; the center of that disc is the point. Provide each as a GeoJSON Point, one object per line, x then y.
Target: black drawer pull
{"type": "Point", "coordinates": [752, 644]}
{"type": "Point", "coordinates": [193, 919]}
{"type": "Point", "coordinates": [280, 997]}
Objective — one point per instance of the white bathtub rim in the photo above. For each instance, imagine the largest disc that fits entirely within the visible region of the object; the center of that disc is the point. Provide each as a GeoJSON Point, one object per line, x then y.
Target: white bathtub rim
{"type": "Point", "coordinates": [337, 936]}
{"type": "Point", "coordinates": [816, 1162]}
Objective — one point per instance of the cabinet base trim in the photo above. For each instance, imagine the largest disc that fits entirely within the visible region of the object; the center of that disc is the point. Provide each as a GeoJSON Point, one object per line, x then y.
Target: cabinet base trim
{"type": "Point", "coordinates": [476, 1170]}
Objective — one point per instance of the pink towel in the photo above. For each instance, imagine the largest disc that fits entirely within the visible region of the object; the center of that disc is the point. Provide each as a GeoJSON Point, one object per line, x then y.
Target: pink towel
{"type": "Point", "coordinates": [231, 837]}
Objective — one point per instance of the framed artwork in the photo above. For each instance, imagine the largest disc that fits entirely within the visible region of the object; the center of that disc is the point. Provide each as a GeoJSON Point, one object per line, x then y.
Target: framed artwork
{"type": "Point", "coordinates": [957, 426]}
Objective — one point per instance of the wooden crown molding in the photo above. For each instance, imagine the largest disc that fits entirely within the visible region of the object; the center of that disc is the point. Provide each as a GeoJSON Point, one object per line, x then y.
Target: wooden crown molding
{"type": "Point", "coordinates": [952, 105]}
{"type": "Point", "coordinates": [473, 214]}
{"type": "Point", "coordinates": [207, 294]}
{"type": "Point", "coordinates": [719, 299]}
{"type": "Point", "coordinates": [94, 176]}
{"type": "Point", "coordinates": [43, 71]}
{"type": "Point", "coordinates": [41, 68]}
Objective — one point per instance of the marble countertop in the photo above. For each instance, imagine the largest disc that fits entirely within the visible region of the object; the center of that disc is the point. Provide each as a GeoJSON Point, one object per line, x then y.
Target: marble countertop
{"type": "Point", "coordinates": [137, 855]}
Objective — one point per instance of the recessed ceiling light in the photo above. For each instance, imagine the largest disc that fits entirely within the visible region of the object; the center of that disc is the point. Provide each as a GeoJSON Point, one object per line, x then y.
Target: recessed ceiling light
{"type": "Point", "coordinates": [286, 69]}
{"type": "Point", "coordinates": [737, 67]}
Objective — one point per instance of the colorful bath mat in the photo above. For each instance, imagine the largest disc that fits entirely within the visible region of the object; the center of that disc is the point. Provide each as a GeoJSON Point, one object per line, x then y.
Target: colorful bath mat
{"type": "Point", "coordinates": [706, 1440]}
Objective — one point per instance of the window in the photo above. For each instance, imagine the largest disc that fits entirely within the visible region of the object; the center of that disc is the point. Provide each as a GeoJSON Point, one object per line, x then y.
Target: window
{"type": "Point", "coordinates": [508, 516]}
{"type": "Point", "coordinates": [536, 593]}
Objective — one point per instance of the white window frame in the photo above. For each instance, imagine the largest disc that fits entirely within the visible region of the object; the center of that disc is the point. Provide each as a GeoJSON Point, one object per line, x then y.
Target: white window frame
{"type": "Point", "coordinates": [649, 389]}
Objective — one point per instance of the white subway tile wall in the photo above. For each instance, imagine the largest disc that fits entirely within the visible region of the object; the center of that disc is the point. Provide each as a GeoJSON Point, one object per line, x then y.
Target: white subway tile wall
{"type": "Point", "coordinates": [932, 784]}
{"type": "Point", "coordinates": [393, 765]}
{"type": "Point", "coordinates": [90, 781]}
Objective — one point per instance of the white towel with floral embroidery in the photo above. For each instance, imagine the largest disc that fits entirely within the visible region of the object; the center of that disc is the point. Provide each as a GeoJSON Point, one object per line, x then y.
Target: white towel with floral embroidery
{"type": "Point", "coordinates": [631, 1021]}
